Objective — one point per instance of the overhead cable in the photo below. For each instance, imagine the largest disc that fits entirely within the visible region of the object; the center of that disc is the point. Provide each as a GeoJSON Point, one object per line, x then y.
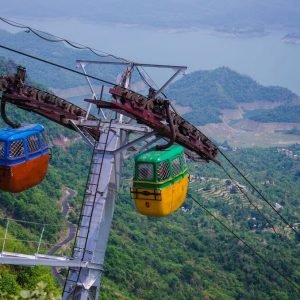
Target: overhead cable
{"type": "Point", "coordinates": [249, 200]}
{"type": "Point", "coordinates": [57, 39]}
{"type": "Point", "coordinates": [259, 193]}
{"type": "Point", "coordinates": [245, 243]}
{"type": "Point", "coordinates": [146, 81]}
{"type": "Point", "coordinates": [56, 65]}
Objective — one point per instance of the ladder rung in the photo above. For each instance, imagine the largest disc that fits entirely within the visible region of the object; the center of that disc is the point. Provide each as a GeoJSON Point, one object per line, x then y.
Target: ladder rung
{"type": "Point", "coordinates": [88, 216]}
{"type": "Point", "coordinates": [69, 279]}
{"type": "Point", "coordinates": [81, 237]}
{"type": "Point", "coordinates": [89, 194]}
{"type": "Point", "coordinates": [72, 280]}
{"type": "Point", "coordinates": [79, 249]}
{"type": "Point", "coordinates": [77, 276]}
{"type": "Point", "coordinates": [73, 270]}
{"type": "Point", "coordinates": [90, 204]}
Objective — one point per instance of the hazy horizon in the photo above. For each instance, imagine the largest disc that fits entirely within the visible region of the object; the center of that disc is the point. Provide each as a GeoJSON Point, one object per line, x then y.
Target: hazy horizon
{"type": "Point", "coordinates": [144, 33]}
{"type": "Point", "coordinates": [167, 13]}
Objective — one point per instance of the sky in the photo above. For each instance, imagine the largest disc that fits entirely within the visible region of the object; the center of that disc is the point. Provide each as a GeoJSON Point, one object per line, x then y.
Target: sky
{"type": "Point", "coordinates": [162, 13]}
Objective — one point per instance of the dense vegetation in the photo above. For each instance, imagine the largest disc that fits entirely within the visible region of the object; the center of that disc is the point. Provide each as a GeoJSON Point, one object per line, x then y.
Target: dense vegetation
{"type": "Point", "coordinates": [208, 92]}
{"type": "Point", "coordinates": [283, 113]}
{"type": "Point", "coordinates": [185, 256]}
{"type": "Point", "coordinates": [39, 205]}
{"type": "Point", "coordinates": [190, 256]}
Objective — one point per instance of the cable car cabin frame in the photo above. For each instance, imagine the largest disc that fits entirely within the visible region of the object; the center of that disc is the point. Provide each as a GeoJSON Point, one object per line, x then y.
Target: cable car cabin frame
{"type": "Point", "coordinates": [24, 157]}
{"type": "Point", "coordinates": [160, 182]}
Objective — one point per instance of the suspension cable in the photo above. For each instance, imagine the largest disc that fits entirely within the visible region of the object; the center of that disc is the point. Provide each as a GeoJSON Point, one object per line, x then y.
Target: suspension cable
{"type": "Point", "coordinates": [79, 46]}
{"type": "Point", "coordinates": [245, 243]}
{"type": "Point", "coordinates": [56, 65]}
{"type": "Point", "coordinates": [248, 198]}
{"type": "Point", "coordinates": [111, 83]}
{"type": "Point", "coordinates": [259, 193]}
{"type": "Point", "coordinates": [59, 39]}
{"type": "Point", "coordinates": [143, 78]}
{"type": "Point", "coordinates": [146, 81]}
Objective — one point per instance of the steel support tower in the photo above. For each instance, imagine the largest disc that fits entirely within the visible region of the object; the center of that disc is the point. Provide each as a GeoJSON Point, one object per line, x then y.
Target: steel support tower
{"type": "Point", "coordinates": [86, 264]}
{"type": "Point", "coordinates": [99, 202]}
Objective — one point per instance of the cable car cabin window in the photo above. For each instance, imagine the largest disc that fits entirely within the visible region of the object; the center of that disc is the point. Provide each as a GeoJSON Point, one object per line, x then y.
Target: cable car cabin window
{"type": "Point", "coordinates": [33, 143]}
{"type": "Point", "coordinates": [2, 149]}
{"type": "Point", "coordinates": [145, 172]}
{"type": "Point", "coordinates": [176, 166]}
{"type": "Point", "coordinates": [16, 148]}
{"type": "Point", "coordinates": [163, 171]}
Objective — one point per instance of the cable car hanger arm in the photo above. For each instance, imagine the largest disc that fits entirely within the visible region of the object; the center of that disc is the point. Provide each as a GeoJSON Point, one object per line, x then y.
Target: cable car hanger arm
{"type": "Point", "coordinates": [153, 112]}
{"type": "Point", "coordinates": [54, 108]}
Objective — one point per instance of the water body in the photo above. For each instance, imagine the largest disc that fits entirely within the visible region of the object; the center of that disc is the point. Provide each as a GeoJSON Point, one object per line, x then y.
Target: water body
{"type": "Point", "coordinates": [266, 58]}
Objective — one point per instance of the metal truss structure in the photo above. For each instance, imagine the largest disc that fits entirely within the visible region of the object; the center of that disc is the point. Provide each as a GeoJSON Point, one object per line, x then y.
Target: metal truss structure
{"type": "Point", "coordinates": [110, 140]}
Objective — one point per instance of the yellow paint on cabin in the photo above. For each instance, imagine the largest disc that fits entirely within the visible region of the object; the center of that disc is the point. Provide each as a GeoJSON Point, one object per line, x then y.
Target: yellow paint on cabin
{"type": "Point", "coordinates": [161, 202]}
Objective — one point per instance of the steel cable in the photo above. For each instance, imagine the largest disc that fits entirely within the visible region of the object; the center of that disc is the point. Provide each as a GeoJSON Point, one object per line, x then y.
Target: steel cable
{"type": "Point", "coordinates": [245, 243]}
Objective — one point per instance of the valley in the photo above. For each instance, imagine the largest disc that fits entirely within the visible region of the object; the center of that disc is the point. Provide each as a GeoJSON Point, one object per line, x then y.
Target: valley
{"type": "Point", "coordinates": [187, 255]}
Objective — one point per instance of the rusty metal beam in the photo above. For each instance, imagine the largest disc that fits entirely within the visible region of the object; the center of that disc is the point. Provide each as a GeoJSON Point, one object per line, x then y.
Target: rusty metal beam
{"type": "Point", "coordinates": [54, 108]}
{"type": "Point", "coordinates": [152, 112]}
{"type": "Point", "coordinates": [149, 111]}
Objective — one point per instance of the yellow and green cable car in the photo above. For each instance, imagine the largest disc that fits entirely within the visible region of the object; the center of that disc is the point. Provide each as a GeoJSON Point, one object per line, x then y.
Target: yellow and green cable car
{"type": "Point", "coordinates": [160, 181]}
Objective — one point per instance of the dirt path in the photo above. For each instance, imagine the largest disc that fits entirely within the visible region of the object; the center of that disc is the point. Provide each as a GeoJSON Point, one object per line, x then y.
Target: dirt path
{"type": "Point", "coordinates": [68, 194]}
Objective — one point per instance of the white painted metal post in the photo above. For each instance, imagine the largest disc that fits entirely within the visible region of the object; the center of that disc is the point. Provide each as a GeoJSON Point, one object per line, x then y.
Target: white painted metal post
{"type": "Point", "coordinates": [82, 65]}
{"type": "Point", "coordinates": [101, 217]}
{"type": "Point", "coordinates": [40, 240]}
{"type": "Point", "coordinates": [5, 235]}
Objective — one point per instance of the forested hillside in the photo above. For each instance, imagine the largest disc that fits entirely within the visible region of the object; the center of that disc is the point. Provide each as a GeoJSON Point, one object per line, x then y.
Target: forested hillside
{"type": "Point", "coordinates": [283, 113]}
{"type": "Point", "coordinates": [190, 256]}
{"type": "Point", "coordinates": [39, 205]}
{"type": "Point", "coordinates": [209, 92]}
{"type": "Point", "coordinates": [187, 255]}
{"type": "Point", "coordinates": [206, 93]}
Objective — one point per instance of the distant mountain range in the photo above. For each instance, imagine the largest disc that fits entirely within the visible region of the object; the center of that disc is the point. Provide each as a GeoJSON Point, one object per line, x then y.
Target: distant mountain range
{"type": "Point", "coordinates": [55, 52]}
{"type": "Point", "coordinates": [207, 93]}
{"type": "Point", "coordinates": [204, 94]}
{"type": "Point", "coordinates": [186, 255]}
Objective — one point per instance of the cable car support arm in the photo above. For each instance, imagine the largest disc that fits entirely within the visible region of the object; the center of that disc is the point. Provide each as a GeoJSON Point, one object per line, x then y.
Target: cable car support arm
{"type": "Point", "coordinates": [54, 108]}
{"type": "Point", "coordinates": [155, 113]}
{"type": "Point", "coordinates": [91, 239]}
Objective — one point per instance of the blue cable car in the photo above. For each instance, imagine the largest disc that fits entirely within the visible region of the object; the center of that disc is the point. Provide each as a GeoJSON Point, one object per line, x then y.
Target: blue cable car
{"type": "Point", "coordinates": [24, 157]}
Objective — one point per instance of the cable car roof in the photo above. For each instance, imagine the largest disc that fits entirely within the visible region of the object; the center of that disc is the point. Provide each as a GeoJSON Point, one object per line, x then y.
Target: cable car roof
{"type": "Point", "coordinates": [9, 134]}
{"type": "Point", "coordinates": [154, 156]}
